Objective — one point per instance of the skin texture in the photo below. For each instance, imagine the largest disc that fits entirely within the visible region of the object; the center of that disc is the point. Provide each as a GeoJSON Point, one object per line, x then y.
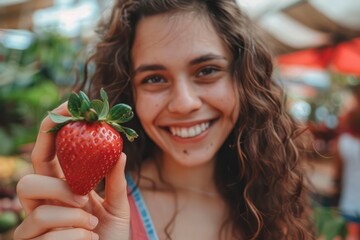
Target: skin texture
{"type": "Point", "coordinates": [172, 90]}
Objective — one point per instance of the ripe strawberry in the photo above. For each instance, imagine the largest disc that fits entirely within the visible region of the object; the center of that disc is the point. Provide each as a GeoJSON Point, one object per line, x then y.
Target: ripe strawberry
{"type": "Point", "coordinates": [88, 143]}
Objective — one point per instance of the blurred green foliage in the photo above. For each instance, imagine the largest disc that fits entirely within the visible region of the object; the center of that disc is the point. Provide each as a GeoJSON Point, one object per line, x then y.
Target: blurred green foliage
{"type": "Point", "coordinates": [329, 223]}
{"type": "Point", "coordinates": [32, 81]}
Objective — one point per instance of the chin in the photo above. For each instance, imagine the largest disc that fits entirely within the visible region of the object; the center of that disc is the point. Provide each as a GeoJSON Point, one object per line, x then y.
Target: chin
{"type": "Point", "coordinates": [188, 159]}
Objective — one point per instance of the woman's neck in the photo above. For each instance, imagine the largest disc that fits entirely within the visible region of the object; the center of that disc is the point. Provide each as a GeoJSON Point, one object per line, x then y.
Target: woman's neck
{"type": "Point", "coordinates": [166, 173]}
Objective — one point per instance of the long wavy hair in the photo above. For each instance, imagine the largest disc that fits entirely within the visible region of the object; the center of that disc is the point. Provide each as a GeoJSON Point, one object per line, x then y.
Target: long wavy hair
{"type": "Point", "coordinates": [258, 171]}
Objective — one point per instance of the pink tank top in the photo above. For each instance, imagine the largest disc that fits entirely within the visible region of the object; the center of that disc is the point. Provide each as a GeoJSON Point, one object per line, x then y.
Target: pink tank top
{"type": "Point", "coordinates": [142, 227]}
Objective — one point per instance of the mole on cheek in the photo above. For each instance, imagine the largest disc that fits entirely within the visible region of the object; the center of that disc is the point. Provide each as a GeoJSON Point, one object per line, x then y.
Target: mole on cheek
{"type": "Point", "coordinates": [186, 152]}
{"type": "Point", "coordinates": [211, 144]}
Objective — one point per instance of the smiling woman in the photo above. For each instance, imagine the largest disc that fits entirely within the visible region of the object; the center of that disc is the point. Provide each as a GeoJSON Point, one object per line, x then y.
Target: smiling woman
{"type": "Point", "coordinates": [218, 156]}
{"type": "Point", "coordinates": [191, 88]}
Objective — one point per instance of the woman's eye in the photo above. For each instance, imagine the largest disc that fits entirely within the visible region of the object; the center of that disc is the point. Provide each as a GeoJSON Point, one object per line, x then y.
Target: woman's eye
{"type": "Point", "coordinates": [153, 79]}
{"type": "Point", "coordinates": [207, 71]}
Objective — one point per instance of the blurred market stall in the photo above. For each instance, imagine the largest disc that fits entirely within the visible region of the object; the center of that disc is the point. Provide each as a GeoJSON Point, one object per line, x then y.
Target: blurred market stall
{"type": "Point", "coordinates": [42, 42]}
{"type": "Point", "coordinates": [317, 45]}
{"type": "Point", "coordinates": [301, 24]}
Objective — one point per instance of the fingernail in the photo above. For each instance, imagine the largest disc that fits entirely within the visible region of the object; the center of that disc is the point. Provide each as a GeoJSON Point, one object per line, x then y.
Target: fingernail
{"type": "Point", "coordinates": [93, 221]}
{"type": "Point", "coordinates": [94, 236]}
{"type": "Point", "coordinates": [57, 108]}
{"type": "Point", "coordinates": [62, 105]}
{"type": "Point", "coordinates": [81, 199]}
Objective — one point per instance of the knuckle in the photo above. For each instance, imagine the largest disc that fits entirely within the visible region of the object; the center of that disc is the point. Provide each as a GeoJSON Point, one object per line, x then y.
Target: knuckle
{"type": "Point", "coordinates": [82, 234]}
{"type": "Point", "coordinates": [23, 184]}
{"type": "Point", "coordinates": [39, 214]}
{"type": "Point", "coordinates": [49, 236]}
{"type": "Point", "coordinates": [82, 216]}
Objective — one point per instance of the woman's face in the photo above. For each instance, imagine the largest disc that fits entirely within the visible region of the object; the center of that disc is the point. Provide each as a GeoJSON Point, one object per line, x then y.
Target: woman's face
{"type": "Point", "coordinates": [184, 92]}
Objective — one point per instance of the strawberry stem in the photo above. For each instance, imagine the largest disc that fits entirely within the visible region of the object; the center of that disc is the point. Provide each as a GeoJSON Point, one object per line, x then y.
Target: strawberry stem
{"type": "Point", "coordinates": [82, 109]}
{"type": "Point", "coordinates": [91, 116]}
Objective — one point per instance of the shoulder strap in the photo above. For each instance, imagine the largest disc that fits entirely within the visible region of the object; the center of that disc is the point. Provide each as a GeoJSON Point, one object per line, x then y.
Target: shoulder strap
{"type": "Point", "coordinates": [141, 224]}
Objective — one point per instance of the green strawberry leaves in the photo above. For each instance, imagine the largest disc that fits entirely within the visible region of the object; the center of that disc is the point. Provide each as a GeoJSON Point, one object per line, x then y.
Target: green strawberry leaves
{"type": "Point", "coordinates": [130, 133]}
{"type": "Point", "coordinates": [81, 108]}
{"type": "Point", "coordinates": [121, 113]}
{"type": "Point", "coordinates": [74, 104]}
{"type": "Point", "coordinates": [97, 105]}
{"type": "Point", "coordinates": [59, 118]}
{"type": "Point", "coordinates": [105, 110]}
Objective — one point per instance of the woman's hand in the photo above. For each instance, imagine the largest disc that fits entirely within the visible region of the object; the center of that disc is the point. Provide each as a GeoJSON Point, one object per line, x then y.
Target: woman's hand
{"type": "Point", "coordinates": [54, 212]}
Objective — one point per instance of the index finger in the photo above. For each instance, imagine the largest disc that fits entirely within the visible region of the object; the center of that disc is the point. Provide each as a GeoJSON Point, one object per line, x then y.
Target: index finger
{"type": "Point", "coordinates": [43, 154]}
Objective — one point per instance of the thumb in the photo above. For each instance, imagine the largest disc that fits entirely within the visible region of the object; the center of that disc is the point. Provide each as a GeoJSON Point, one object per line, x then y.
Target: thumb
{"type": "Point", "coordinates": [116, 190]}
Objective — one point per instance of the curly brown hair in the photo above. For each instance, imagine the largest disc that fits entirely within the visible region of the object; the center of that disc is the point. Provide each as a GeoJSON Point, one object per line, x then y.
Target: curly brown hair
{"type": "Point", "coordinates": [259, 172]}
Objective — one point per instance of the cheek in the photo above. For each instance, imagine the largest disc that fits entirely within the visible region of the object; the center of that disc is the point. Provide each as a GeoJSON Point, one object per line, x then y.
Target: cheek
{"type": "Point", "coordinates": [148, 106]}
{"type": "Point", "coordinates": [225, 98]}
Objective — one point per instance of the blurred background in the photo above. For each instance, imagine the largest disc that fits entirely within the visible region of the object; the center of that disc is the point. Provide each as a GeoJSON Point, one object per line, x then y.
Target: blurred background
{"type": "Point", "coordinates": [44, 43]}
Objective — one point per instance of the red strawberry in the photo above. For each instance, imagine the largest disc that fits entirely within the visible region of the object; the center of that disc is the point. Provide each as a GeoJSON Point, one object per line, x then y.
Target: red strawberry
{"type": "Point", "coordinates": [88, 143]}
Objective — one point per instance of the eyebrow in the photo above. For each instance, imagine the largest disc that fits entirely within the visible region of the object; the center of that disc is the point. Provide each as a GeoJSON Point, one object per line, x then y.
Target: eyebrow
{"type": "Point", "coordinates": [150, 67]}
{"type": "Point", "coordinates": [195, 61]}
{"type": "Point", "coordinates": [206, 57]}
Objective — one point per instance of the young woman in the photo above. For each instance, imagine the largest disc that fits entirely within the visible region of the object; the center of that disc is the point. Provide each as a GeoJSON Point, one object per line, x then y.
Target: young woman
{"type": "Point", "coordinates": [217, 156]}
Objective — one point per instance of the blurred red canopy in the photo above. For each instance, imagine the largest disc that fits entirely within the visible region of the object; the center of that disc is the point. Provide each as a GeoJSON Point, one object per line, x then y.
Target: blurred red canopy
{"type": "Point", "coordinates": [343, 58]}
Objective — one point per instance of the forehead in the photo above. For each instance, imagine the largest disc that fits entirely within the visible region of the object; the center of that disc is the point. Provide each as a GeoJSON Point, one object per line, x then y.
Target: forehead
{"type": "Point", "coordinates": [172, 23]}
{"type": "Point", "coordinates": [181, 32]}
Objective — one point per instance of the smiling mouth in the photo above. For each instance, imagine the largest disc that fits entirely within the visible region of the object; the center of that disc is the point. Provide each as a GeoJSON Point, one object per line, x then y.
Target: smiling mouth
{"type": "Point", "coordinates": [189, 132]}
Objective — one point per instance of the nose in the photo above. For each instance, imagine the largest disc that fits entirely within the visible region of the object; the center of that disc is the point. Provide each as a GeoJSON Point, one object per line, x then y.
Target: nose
{"type": "Point", "coordinates": [185, 98]}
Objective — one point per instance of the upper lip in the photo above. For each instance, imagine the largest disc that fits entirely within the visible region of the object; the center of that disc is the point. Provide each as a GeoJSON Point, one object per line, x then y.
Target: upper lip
{"type": "Point", "coordinates": [188, 124]}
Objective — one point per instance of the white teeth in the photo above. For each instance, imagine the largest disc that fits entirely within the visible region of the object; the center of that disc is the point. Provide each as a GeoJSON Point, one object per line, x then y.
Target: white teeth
{"type": "Point", "coordinates": [189, 132]}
